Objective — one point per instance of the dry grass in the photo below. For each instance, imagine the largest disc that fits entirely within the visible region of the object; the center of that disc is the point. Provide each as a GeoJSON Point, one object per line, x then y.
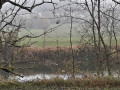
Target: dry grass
{"type": "Point", "coordinates": [96, 83]}
{"type": "Point", "coordinates": [80, 82]}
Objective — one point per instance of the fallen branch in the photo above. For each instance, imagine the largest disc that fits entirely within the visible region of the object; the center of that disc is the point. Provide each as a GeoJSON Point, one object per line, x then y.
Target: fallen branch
{"type": "Point", "coordinates": [9, 71]}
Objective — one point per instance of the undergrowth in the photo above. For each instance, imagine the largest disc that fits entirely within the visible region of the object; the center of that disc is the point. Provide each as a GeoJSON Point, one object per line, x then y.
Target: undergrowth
{"type": "Point", "coordinates": [96, 83]}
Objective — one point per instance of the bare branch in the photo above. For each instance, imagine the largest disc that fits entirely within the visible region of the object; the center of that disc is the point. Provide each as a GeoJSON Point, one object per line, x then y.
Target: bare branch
{"type": "Point", "coordinates": [22, 6]}
{"type": "Point", "coordinates": [116, 1]}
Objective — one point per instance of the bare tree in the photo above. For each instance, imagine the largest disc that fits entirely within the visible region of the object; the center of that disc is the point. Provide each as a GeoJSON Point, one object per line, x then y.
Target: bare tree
{"type": "Point", "coordinates": [24, 4]}
{"type": "Point", "coordinates": [46, 24]}
{"type": "Point", "coordinates": [9, 32]}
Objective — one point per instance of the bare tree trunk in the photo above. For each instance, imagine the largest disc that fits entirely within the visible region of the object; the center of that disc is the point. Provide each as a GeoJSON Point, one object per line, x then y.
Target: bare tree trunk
{"type": "Point", "coordinates": [113, 29]}
{"type": "Point", "coordinates": [94, 37]}
{"type": "Point", "coordinates": [44, 37]}
{"type": "Point", "coordinates": [101, 38]}
{"type": "Point", "coordinates": [0, 39]}
{"type": "Point", "coordinates": [71, 45]}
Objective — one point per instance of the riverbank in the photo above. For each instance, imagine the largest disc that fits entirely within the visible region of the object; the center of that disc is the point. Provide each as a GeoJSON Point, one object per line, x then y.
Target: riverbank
{"type": "Point", "coordinates": [96, 83]}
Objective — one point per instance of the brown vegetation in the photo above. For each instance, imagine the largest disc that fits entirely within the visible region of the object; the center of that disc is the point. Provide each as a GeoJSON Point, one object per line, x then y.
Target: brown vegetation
{"type": "Point", "coordinates": [85, 57]}
{"type": "Point", "coordinates": [58, 83]}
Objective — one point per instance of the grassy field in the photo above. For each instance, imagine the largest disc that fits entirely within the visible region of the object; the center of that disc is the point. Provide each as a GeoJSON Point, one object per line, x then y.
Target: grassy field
{"type": "Point", "coordinates": [61, 35]}
{"type": "Point", "coordinates": [53, 42]}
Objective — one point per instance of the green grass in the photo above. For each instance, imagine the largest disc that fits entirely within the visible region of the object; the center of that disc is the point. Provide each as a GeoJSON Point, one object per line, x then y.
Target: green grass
{"type": "Point", "coordinates": [51, 38]}
{"type": "Point", "coordinates": [63, 36]}
{"type": "Point", "coordinates": [53, 42]}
